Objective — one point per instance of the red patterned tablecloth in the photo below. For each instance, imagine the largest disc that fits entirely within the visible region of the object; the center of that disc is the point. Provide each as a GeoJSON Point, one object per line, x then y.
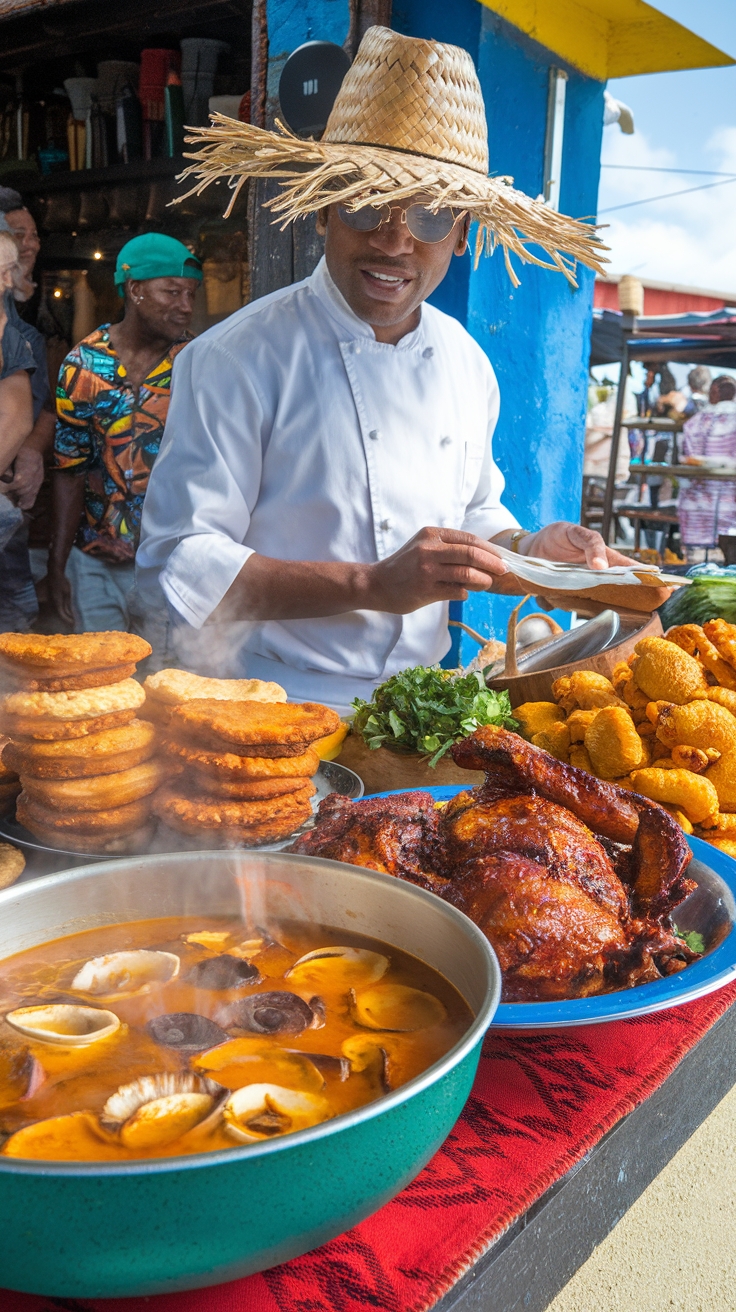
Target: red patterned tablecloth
{"type": "Point", "coordinates": [541, 1100]}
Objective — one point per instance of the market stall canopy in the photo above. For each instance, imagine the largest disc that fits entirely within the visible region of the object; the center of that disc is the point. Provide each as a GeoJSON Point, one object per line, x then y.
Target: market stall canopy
{"type": "Point", "coordinates": [705, 338]}
{"type": "Point", "coordinates": [610, 38]}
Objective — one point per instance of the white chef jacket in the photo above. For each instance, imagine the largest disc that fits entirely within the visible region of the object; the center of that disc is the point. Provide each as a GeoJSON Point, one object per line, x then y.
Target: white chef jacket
{"type": "Point", "coordinates": [293, 433]}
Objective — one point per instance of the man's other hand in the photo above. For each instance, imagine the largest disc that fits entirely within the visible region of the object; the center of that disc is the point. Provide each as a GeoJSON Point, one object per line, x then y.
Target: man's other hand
{"type": "Point", "coordinates": [27, 477]}
{"type": "Point", "coordinates": [572, 544]}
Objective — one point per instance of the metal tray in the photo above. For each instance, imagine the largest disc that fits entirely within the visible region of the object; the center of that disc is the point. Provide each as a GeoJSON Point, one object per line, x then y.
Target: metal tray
{"type": "Point", "coordinates": [331, 777]}
{"type": "Point", "coordinates": [711, 910]}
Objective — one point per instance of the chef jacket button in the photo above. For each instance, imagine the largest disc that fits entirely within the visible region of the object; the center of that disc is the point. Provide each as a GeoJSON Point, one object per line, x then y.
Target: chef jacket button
{"type": "Point", "coordinates": [445, 441]}
{"type": "Point", "coordinates": [427, 353]}
{"type": "Point", "coordinates": [374, 435]}
{"type": "Point", "coordinates": [385, 524]}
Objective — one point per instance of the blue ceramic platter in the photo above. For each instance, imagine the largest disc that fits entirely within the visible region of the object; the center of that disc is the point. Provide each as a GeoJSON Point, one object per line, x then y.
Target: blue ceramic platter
{"type": "Point", "coordinates": [711, 910]}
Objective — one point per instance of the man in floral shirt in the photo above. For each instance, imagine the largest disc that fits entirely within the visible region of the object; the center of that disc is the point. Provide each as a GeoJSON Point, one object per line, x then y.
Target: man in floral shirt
{"type": "Point", "coordinates": [111, 402]}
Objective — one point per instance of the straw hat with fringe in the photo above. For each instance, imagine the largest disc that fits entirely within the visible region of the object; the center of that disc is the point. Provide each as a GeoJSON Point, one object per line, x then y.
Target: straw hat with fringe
{"type": "Point", "coordinates": [408, 120]}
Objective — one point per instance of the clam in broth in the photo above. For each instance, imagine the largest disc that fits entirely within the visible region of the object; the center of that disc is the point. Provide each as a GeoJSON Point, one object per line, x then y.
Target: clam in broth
{"type": "Point", "coordinates": [168, 1037]}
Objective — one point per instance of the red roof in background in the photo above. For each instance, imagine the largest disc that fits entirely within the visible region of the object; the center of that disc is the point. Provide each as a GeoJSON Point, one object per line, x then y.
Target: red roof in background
{"type": "Point", "coordinates": [661, 298]}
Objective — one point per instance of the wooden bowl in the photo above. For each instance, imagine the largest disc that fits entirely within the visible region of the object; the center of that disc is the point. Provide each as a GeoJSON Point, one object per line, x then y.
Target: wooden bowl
{"type": "Point", "coordinates": [537, 685]}
{"type": "Point", "coordinates": [382, 770]}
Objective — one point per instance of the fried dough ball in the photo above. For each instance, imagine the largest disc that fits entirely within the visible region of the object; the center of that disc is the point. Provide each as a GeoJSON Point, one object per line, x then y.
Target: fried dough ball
{"type": "Point", "coordinates": [535, 717]}
{"type": "Point", "coordinates": [696, 642]}
{"type": "Point", "coordinates": [725, 824]}
{"type": "Point", "coordinates": [665, 672]}
{"type": "Point", "coordinates": [579, 757]}
{"type": "Point", "coordinates": [229, 765]}
{"type": "Point", "coordinates": [621, 675]}
{"type": "Point", "coordinates": [12, 864]}
{"type": "Point", "coordinates": [107, 752]}
{"type": "Point", "coordinates": [612, 743]}
{"type": "Point", "coordinates": [578, 723]}
{"type": "Point", "coordinates": [585, 690]}
{"type": "Point", "coordinates": [723, 637]}
{"type": "Point", "coordinates": [723, 697]}
{"type": "Point", "coordinates": [722, 775]}
{"type": "Point", "coordinates": [56, 655]}
{"type": "Point", "coordinates": [694, 758]}
{"type": "Point", "coordinates": [701, 724]}
{"type": "Point", "coordinates": [555, 740]}
{"type": "Point", "coordinates": [691, 793]}
{"type": "Point", "coordinates": [100, 792]}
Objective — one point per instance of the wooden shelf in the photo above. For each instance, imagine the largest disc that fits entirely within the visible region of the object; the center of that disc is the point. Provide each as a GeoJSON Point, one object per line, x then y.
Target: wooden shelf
{"type": "Point", "coordinates": [143, 170]}
{"type": "Point", "coordinates": [682, 471]}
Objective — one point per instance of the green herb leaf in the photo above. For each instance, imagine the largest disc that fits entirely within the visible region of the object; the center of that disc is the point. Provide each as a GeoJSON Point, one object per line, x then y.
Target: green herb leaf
{"type": "Point", "coordinates": [427, 709]}
{"type": "Point", "coordinates": [694, 940]}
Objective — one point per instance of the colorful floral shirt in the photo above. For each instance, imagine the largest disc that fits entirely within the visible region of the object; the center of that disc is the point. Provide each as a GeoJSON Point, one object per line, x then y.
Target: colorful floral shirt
{"type": "Point", "coordinates": [112, 434]}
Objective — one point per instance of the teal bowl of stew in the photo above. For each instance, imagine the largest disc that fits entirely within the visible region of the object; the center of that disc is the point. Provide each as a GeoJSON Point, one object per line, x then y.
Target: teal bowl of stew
{"type": "Point", "coordinates": [86, 1230]}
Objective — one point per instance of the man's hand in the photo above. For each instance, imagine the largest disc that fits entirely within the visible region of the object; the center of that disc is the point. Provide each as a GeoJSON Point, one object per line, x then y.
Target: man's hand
{"type": "Point", "coordinates": [27, 477]}
{"type": "Point", "coordinates": [60, 594]}
{"type": "Point", "coordinates": [572, 544]}
{"type": "Point", "coordinates": [437, 564]}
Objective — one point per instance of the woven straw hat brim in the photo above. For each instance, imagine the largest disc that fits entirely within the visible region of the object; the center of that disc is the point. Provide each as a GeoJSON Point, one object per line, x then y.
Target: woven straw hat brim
{"type": "Point", "coordinates": [314, 174]}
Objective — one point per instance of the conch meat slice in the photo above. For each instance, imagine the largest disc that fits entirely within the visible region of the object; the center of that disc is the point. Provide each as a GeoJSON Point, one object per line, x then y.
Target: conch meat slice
{"type": "Point", "coordinates": [156, 1110]}
{"type": "Point", "coordinates": [252, 1061]}
{"type": "Point", "coordinates": [261, 1111]}
{"type": "Point", "coordinates": [71, 1138]}
{"type": "Point", "coordinates": [64, 1023]}
{"type": "Point", "coordinates": [126, 972]}
{"type": "Point", "coordinates": [338, 968]}
{"type": "Point", "coordinates": [396, 1007]}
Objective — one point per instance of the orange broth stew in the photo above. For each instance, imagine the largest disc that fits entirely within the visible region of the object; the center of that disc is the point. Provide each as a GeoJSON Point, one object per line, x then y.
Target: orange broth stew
{"type": "Point", "coordinates": [166, 1037]}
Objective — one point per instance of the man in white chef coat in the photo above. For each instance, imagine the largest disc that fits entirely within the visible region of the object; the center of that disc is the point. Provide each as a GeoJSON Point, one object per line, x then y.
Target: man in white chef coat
{"type": "Point", "coordinates": [326, 482]}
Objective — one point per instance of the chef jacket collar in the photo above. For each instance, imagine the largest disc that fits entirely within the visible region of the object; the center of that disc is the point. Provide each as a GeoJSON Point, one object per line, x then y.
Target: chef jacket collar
{"type": "Point", "coordinates": [329, 296]}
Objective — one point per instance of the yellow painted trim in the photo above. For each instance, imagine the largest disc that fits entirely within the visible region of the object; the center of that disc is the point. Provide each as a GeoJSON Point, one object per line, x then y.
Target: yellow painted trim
{"type": "Point", "coordinates": [610, 38]}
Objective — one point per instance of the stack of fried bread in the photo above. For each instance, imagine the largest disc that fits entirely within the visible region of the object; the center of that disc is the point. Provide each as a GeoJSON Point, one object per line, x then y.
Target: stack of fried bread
{"type": "Point", "coordinates": [248, 769]}
{"type": "Point", "coordinates": [10, 784]}
{"type": "Point", "coordinates": [171, 688]}
{"type": "Point", "coordinates": [86, 763]}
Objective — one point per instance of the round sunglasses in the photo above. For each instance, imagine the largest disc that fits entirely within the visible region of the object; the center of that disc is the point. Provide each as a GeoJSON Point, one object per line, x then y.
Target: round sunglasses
{"type": "Point", "coordinates": [424, 224]}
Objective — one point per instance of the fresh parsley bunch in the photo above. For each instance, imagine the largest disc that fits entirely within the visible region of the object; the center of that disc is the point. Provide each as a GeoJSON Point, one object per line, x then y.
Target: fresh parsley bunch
{"type": "Point", "coordinates": [427, 709]}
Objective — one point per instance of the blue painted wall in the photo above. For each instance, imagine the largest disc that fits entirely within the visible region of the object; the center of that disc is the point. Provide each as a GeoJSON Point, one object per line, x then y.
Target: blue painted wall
{"type": "Point", "coordinates": [537, 336]}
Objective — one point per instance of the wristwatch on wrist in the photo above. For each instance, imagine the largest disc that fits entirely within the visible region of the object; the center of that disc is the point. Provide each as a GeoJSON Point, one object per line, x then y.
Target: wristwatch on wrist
{"type": "Point", "coordinates": [516, 537]}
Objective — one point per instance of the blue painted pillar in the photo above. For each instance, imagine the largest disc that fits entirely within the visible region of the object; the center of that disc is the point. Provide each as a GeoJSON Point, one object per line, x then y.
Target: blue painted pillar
{"type": "Point", "coordinates": [537, 336]}
{"type": "Point", "coordinates": [291, 24]}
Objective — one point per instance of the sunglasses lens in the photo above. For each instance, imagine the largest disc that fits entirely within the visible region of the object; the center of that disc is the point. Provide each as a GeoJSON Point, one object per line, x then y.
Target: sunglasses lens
{"type": "Point", "coordinates": [428, 226]}
{"type": "Point", "coordinates": [365, 220]}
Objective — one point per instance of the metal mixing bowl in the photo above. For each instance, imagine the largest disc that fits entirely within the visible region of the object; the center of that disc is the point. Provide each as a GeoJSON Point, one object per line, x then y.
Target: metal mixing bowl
{"type": "Point", "coordinates": [110, 1230]}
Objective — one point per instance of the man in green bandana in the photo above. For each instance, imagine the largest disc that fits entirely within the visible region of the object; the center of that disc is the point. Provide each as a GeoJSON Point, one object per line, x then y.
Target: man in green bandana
{"type": "Point", "coordinates": [111, 401]}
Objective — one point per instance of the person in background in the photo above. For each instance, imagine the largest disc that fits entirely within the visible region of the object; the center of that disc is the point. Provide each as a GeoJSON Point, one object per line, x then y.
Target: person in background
{"type": "Point", "coordinates": [707, 508]}
{"type": "Point", "coordinates": [111, 403]}
{"type": "Point", "coordinates": [698, 385]}
{"type": "Point", "coordinates": [16, 403]}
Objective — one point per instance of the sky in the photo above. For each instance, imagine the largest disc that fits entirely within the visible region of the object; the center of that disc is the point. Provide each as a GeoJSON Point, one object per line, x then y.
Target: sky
{"type": "Point", "coordinates": [684, 120]}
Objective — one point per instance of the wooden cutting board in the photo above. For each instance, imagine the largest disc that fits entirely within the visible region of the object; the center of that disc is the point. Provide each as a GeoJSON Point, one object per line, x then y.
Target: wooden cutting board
{"type": "Point", "coordinates": [382, 771]}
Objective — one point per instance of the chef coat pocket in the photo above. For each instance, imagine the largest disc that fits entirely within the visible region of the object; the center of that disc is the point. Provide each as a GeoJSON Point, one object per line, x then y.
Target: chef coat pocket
{"type": "Point", "coordinates": [472, 464]}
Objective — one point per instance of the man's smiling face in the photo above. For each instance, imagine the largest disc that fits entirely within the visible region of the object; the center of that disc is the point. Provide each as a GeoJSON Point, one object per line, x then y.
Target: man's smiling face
{"type": "Point", "coordinates": [385, 275]}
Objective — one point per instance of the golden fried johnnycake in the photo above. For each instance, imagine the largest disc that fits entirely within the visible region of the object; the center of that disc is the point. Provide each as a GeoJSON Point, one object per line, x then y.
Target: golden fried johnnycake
{"type": "Point", "coordinates": [169, 688]}
{"type": "Point", "coordinates": [106, 752]}
{"type": "Point", "coordinates": [100, 792]}
{"type": "Point", "coordinates": [107, 824]}
{"type": "Point", "coordinates": [245, 790]}
{"type": "Point", "coordinates": [52, 715]}
{"type": "Point", "coordinates": [253, 728]}
{"type": "Point", "coordinates": [189, 813]}
{"type": "Point", "coordinates": [30, 657]}
{"type": "Point", "coordinates": [229, 765]}
{"type": "Point", "coordinates": [128, 844]}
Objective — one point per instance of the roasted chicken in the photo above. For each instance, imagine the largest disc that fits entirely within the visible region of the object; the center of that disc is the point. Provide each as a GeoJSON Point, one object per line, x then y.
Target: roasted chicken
{"type": "Point", "coordinates": [570, 878]}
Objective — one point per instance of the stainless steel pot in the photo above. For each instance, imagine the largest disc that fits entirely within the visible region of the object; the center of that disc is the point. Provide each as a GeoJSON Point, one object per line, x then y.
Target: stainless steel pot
{"type": "Point", "coordinates": [107, 1229]}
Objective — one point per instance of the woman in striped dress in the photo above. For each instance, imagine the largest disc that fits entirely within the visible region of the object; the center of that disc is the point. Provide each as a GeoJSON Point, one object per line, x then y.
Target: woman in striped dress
{"type": "Point", "coordinates": [706, 507]}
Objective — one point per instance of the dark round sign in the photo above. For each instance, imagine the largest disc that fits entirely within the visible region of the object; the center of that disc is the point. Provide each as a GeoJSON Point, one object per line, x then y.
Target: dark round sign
{"type": "Point", "coordinates": [309, 83]}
